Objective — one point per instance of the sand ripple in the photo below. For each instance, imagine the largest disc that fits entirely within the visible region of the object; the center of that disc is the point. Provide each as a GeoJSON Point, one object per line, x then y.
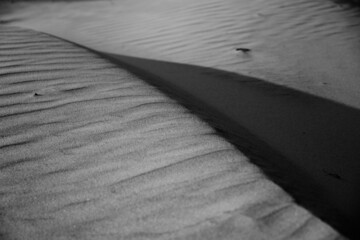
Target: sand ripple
{"type": "Point", "coordinates": [308, 45]}
{"type": "Point", "coordinates": [89, 151]}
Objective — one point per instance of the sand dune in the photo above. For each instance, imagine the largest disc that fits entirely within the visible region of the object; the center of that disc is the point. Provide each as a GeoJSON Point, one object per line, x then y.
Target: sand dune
{"type": "Point", "coordinates": [307, 144]}
{"type": "Point", "coordinates": [311, 46]}
{"type": "Point", "coordinates": [89, 151]}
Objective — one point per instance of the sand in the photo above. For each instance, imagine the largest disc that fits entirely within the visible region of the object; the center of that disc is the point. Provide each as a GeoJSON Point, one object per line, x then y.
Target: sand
{"type": "Point", "coordinates": [310, 46]}
{"type": "Point", "coordinates": [308, 145]}
{"type": "Point", "coordinates": [91, 151]}
{"type": "Point", "coordinates": [299, 124]}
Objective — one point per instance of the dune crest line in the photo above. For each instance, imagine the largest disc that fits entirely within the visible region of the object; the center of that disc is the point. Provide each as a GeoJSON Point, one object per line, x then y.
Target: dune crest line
{"type": "Point", "coordinates": [90, 151]}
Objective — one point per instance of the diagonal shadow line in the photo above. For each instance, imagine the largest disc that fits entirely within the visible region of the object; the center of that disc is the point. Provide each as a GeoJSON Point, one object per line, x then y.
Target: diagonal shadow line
{"type": "Point", "coordinates": [308, 145]}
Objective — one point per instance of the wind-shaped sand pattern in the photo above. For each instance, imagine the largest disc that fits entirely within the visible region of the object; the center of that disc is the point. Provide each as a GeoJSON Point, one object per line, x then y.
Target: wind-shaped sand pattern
{"type": "Point", "coordinates": [90, 151]}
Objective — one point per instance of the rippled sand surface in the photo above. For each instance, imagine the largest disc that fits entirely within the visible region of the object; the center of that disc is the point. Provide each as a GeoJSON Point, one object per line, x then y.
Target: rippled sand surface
{"type": "Point", "coordinates": [89, 151]}
{"type": "Point", "coordinates": [308, 45]}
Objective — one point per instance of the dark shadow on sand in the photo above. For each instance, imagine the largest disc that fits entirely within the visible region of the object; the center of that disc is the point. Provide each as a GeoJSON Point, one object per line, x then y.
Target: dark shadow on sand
{"type": "Point", "coordinates": [308, 145]}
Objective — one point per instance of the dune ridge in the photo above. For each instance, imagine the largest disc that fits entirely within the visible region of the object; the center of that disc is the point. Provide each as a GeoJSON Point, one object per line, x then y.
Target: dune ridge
{"type": "Point", "coordinates": [90, 151]}
{"type": "Point", "coordinates": [310, 46]}
{"type": "Point", "coordinates": [289, 134]}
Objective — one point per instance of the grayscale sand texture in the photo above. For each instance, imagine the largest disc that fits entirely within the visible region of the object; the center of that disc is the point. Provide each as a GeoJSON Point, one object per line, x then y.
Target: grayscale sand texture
{"type": "Point", "coordinates": [90, 151]}
{"type": "Point", "coordinates": [86, 123]}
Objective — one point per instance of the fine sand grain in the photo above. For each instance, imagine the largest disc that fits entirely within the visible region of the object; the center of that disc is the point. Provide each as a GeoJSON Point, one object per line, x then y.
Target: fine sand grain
{"type": "Point", "coordinates": [89, 151]}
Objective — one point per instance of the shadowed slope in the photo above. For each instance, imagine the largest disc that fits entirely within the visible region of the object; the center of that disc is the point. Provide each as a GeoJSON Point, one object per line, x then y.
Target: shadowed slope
{"type": "Point", "coordinates": [89, 151]}
{"type": "Point", "coordinates": [310, 142]}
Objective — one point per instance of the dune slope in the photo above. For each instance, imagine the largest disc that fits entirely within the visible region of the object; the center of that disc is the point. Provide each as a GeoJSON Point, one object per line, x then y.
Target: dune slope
{"type": "Point", "coordinates": [90, 151]}
{"type": "Point", "coordinates": [307, 45]}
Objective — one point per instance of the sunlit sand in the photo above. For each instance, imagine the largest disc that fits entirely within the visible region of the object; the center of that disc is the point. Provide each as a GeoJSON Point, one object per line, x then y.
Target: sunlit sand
{"type": "Point", "coordinates": [92, 148]}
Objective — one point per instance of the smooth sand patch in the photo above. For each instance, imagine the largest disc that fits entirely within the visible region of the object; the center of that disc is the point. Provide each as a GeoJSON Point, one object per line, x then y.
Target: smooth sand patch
{"type": "Point", "coordinates": [89, 151]}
